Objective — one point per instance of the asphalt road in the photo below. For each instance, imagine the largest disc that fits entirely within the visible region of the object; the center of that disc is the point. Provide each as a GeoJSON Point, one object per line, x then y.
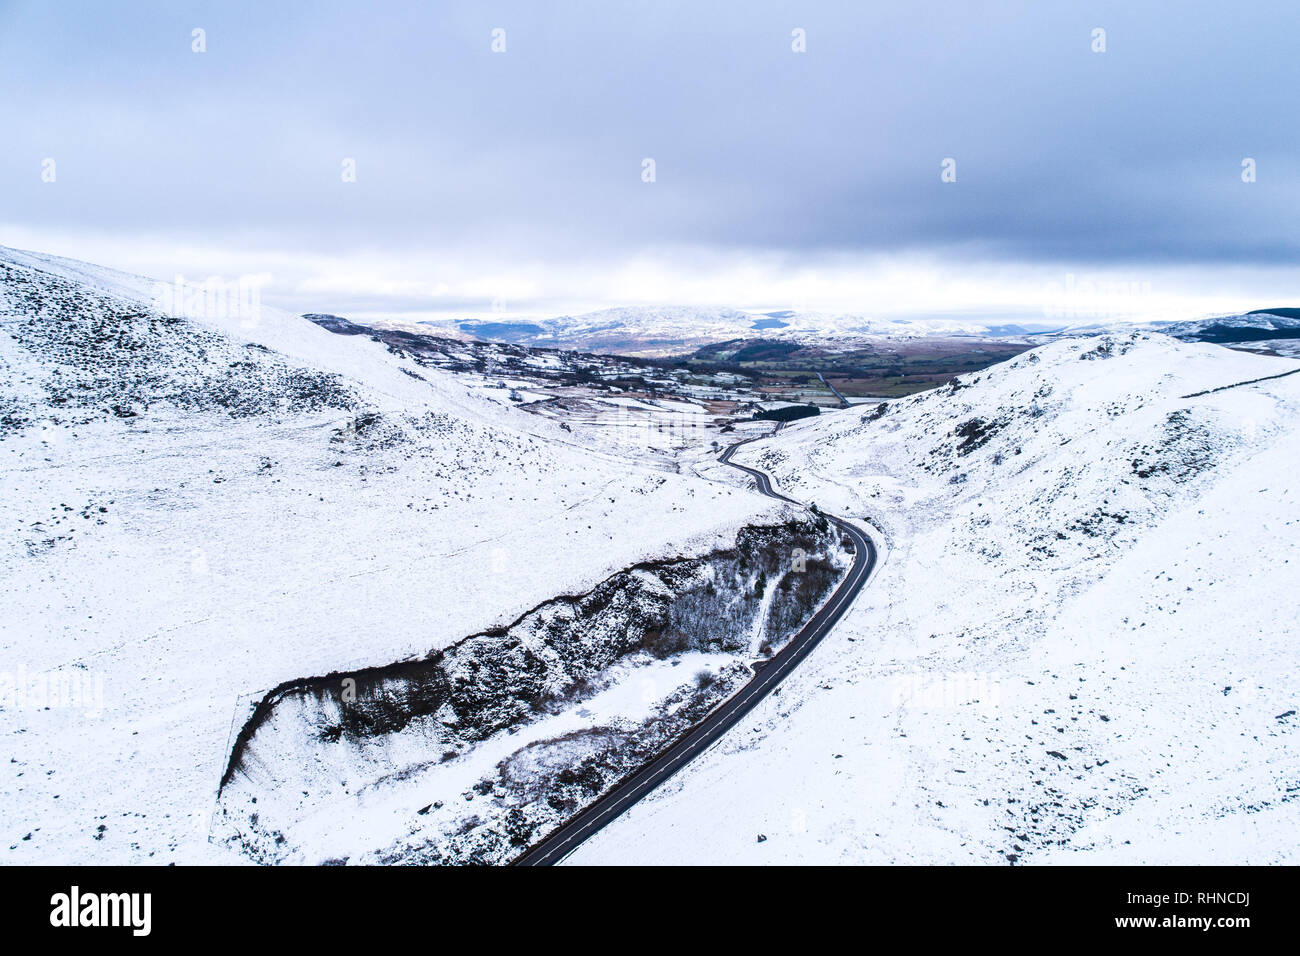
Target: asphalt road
{"type": "Point", "coordinates": [844, 402]}
{"type": "Point", "coordinates": [590, 820]}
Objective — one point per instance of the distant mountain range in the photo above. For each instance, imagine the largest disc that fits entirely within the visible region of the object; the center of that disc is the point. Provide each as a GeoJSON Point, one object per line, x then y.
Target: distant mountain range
{"type": "Point", "coordinates": [1251, 327]}
{"type": "Point", "coordinates": [662, 330]}
{"type": "Point", "coordinates": [676, 330]}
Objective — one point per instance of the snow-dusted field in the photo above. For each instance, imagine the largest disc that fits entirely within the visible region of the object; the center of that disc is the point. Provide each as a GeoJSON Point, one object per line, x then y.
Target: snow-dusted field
{"type": "Point", "coordinates": [1080, 646]}
{"type": "Point", "coordinates": [198, 510]}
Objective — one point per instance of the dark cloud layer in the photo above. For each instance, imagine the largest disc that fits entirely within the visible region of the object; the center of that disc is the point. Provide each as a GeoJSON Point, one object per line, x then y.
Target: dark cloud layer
{"type": "Point", "coordinates": [1063, 154]}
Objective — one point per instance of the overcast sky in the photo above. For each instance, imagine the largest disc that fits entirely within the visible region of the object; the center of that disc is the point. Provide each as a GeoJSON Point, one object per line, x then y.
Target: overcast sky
{"type": "Point", "coordinates": [783, 179]}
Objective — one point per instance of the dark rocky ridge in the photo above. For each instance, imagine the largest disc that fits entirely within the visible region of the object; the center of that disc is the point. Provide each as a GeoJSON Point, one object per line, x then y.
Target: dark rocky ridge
{"type": "Point", "coordinates": [503, 678]}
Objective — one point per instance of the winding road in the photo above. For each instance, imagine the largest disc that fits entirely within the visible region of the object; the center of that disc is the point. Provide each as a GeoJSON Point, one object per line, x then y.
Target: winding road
{"type": "Point", "coordinates": [595, 816]}
{"type": "Point", "coordinates": [844, 402]}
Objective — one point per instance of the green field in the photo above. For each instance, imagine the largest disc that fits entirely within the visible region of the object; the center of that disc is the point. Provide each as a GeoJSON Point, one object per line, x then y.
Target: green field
{"type": "Point", "coordinates": [890, 371]}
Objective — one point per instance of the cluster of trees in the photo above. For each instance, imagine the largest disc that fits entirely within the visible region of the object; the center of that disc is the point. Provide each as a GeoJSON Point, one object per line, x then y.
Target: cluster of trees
{"type": "Point", "coordinates": [798, 595]}
{"type": "Point", "coordinates": [788, 414]}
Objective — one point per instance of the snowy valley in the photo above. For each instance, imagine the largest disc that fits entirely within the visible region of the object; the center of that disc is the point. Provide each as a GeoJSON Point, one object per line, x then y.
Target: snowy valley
{"type": "Point", "coordinates": [1081, 644]}
{"type": "Point", "coordinates": [279, 589]}
{"type": "Point", "coordinates": [202, 509]}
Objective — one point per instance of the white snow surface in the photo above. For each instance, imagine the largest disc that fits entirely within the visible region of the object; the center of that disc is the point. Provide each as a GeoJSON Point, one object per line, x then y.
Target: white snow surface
{"type": "Point", "coordinates": [269, 501]}
{"type": "Point", "coordinates": [1079, 646]}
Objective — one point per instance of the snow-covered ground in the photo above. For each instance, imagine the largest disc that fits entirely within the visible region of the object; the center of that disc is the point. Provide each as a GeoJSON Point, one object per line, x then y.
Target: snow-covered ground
{"type": "Point", "coordinates": [1080, 645]}
{"type": "Point", "coordinates": [199, 509]}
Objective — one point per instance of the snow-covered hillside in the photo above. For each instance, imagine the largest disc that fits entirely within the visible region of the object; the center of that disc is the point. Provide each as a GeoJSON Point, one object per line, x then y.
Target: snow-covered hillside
{"type": "Point", "coordinates": [1257, 331]}
{"type": "Point", "coordinates": [1081, 646]}
{"type": "Point", "coordinates": [1236, 328]}
{"type": "Point", "coordinates": [199, 509]}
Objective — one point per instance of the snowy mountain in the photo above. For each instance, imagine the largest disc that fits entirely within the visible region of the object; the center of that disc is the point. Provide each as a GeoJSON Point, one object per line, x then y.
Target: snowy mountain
{"type": "Point", "coordinates": [278, 590]}
{"type": "Point", "coordinates": [1081, 646]}
{"type": "Point", "coordinates": [1255, 326]}
{"type": "Point", "coordinates": [1250, 327]}
{"type": "Point", "coordinates": [208, 505]}
{"type": "Point", "coordinates": [669, 330]}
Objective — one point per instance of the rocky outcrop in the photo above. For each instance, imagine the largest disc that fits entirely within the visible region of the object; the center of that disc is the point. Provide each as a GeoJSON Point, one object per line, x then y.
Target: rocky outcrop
{"type": "Point", "coordinates": [325, 738]}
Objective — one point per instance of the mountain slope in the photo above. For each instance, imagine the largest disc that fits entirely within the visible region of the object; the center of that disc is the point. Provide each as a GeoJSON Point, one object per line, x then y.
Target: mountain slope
{"type": "Point", "coordinates": [1251, 327]}
{"type": "Point", "coordinates": [1080, 645]}
{"type": "Point", "coordinates": [201, 508]}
